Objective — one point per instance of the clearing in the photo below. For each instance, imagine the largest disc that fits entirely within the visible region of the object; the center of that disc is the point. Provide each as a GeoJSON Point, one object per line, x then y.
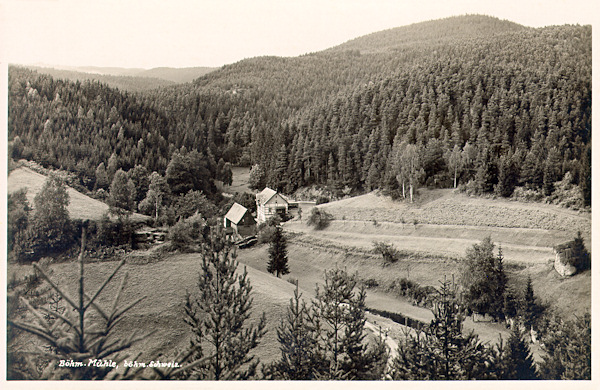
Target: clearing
{"type": "Point", "coordinates": [80, 206]}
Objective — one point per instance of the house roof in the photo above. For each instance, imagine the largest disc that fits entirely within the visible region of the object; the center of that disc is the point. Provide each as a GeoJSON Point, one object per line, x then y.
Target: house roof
{"type": "Point", "coordinates": [265, 195]}
{"type": "Point", "coordinates": [236, 213]}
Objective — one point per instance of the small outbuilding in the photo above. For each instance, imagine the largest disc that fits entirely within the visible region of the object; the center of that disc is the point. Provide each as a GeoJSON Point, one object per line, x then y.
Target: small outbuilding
{"type": "Point", "coordinates": [239, 220]}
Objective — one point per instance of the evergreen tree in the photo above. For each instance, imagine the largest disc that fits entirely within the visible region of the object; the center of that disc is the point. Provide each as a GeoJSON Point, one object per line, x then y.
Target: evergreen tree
{"type": "Point", "coordinates": [279, 173]}
{"type": "Point", "coordinates": [141, 180]}
{"type": "Point", "coordinates": [508, 177]}
{"type": "Point", "coordinates": [517, 361]}
{"type": "Point", "coordinates": [339, 318]}
{"type": "Point", "coordinates": [441, 351]}
{"type": "Point", "coordinates": [278, 261]}
{"type": "Point", "coordinates": [579, 253]}
{"type": "Point", "coordinates": [218, 316]}
{"type": "Point", "coordinates": [456, 356]}
{"type": "Point", "coordinates": [18, 215]}
{"type": "Point", "coordinates": [568, 349]}
{"type": "Point", "coordinates": [585, 177]}
{"type": "Point", "coordinates": [301, 357]}
{"type": "Point", "coordinates": [101, 177]}
{"type": "Point", "coordinates": [528, 309]}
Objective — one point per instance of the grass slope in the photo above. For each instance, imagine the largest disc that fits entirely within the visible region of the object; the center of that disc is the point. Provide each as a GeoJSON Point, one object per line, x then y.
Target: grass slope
{"type": "Point", "coordinates": [445, 223]}
{"type": "Point", "coordinates": [80, 206]}
{"type": "Point", "coordinates": [165, 284]}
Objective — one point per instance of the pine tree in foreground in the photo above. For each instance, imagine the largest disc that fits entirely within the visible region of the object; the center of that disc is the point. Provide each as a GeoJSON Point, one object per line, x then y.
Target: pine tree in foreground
{"type": "Point", "coordinates": [517, 361]}
{"type": "Point", "coordinates": [301, 357]}
{"type": "Point", "coordinates": [218, 315]}
{"type": "Point", "coordinates": [441, 351]}
{"type": "Point", "coordinates": [339, 318]}
{"type": "Point", "coordinates": [568, 349]}
{"type": "Point", "coordinates": [77, 334]}
{"type": "Point", "coordinates": [278, 260]}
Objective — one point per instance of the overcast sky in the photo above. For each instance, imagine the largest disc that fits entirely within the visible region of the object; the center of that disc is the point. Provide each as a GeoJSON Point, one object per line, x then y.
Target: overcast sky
{"type": "Point", "coordinates": [181, 33]}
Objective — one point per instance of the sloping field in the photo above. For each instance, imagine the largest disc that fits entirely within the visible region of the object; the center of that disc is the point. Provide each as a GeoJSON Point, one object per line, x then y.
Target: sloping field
{"type": "Point", "coordinates": [80, 206]}
{"type": "Point", "coordinates": [239, 181]}
{"type": "Point", "coordinates": [445, 224]}
{"type": "Point", "coordinates": [446, 207]}
{"type": "Point", "coordinates": [165, 285]}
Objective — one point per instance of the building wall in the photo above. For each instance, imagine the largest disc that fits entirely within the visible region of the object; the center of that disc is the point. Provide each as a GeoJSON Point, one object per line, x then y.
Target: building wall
{"type": "Point", "coordinates": [269, 209]}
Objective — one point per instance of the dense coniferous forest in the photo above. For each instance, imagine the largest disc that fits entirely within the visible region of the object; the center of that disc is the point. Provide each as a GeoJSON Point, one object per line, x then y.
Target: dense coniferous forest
{"type": "Point", "coordinates": [470, 100]}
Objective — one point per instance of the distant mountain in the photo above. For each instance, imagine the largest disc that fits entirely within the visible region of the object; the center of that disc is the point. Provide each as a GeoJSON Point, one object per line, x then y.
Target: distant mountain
{"type": "Point", "coordinates": [128, 79]}
{"type": "Point", "coordinates": [440, 31]}
{"type": "Point", "coordinates": [177, 75]}
{"type": "Point", "coordinates": [122, 82]}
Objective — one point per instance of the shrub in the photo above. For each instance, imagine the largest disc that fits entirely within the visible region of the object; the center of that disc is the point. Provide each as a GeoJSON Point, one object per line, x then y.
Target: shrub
{"type": "Point", "coordinates": [186, 232]}
{"type": "Point", "coordinates": [322, 199]}
{"type": "Point", "coordinates": [265, 233]}
{"type": "Point", "coordinates": [389, 253]}
{"type": "Point", "coordinates": [527, 195]}
{"type": "Point", "coordinates": [319, 218]}
{"type": "Point", "coordinates": [370, 283]}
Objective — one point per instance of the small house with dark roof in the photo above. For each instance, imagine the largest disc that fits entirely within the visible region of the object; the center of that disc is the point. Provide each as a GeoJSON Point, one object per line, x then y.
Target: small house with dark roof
{"type": "Point", "coordinates": [239, 220]}
{"type": "Point", "coordinates": [270, 203]}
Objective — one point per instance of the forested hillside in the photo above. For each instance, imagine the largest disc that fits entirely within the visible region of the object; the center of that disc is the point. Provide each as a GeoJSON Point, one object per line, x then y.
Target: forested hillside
{"type": "Point", "coordinates": [127, 83]}
{"type": "Point", "coordinates": [469, 99]}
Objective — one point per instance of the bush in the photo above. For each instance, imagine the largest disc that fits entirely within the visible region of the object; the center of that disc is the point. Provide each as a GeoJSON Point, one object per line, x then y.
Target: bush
{"type": "Point", "coordinates": [266, 230]}
{"type": "Point", "coordinates": [187, 232]}
{"type": "Point", "coordinates": [527, 195]}
{"type": "Point", "coordinates": [388, 251]}
{"type": "Point", "coordinates": [108, 233]}
{"type": "Point", "coordinates": [322, 199]}
{"type": "Point", "coordinates": [319, 218]}
{"type": "Point", "coordinates": [370, 283]}
{"type": "Point", "coordinates": [421, 296]}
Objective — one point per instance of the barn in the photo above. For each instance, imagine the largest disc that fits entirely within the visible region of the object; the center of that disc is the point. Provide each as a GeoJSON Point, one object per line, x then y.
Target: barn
{"type": "Point", "coordinates": [270, 203]}
{"type": "Point", "coordinates": [239, 219]}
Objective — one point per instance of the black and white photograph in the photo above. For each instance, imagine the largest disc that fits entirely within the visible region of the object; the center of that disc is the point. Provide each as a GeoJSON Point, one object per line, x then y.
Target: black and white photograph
{"type": "Point", "coordinates": [265, 193]}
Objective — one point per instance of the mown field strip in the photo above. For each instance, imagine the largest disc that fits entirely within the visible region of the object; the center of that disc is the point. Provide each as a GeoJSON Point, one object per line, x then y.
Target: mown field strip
{"type": "Point", "coordinates": [442, 246]}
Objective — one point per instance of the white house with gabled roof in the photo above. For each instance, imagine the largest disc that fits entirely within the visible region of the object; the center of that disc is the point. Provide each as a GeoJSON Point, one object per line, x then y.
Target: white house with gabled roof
{"type": "Point", "coordinates": [270, 203]}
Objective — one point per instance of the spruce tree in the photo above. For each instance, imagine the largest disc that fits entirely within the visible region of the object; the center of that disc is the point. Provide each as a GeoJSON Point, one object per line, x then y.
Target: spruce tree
{"type": "Point", "coordinates": [278, 261]}
{"type": "Point", "coordinates": [517, 361]}
{"type": "Point", "coordinates": [218, 316]}
{"type": "Point", "coordinates": [441, 351]}
{"type": "Point", "coordinates": [339, 318]}
{"type": "Point", "coordinates": [301, 358]}
{"type": "Point", "coordinates": [567, 347]}
{"type": "Point", "coordinates": [528, 308]}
